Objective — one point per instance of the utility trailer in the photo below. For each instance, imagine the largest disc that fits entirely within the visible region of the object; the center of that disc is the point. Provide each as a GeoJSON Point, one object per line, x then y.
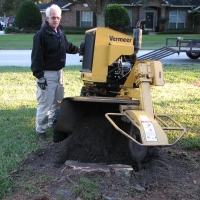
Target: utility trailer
{"type": "Point", "coordinates": [175, 45]}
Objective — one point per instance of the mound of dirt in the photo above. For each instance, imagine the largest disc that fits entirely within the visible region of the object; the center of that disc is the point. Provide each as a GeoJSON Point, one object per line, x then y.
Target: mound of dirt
{"type": "Point", "coordinates": [94, 140]}
{"type": "Point", "coordinates": [170, 173]}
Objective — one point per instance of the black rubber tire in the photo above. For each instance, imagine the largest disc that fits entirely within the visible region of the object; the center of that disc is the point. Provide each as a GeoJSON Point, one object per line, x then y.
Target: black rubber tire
{"type": "Point", "coordinates": [138, 153]}
{"type": "Point", "coordinates": [193, 55]}
{"type": "Point", "coordinates": [83, 91]}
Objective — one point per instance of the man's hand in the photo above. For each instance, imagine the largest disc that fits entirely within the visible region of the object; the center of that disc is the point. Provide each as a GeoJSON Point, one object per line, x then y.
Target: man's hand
{"type": "Point", "coordinates": [42, 83]}
{"type": "Point", "coordinates": [82, 49]}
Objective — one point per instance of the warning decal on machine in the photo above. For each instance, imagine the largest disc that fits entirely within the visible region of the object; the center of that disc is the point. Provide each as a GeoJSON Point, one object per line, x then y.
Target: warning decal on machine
{"type": "Point", "coordinates": [148, 129]}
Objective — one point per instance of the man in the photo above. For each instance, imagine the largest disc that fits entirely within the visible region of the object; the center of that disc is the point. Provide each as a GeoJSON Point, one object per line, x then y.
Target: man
{"type": "Point", "coordinates": [48, 57]}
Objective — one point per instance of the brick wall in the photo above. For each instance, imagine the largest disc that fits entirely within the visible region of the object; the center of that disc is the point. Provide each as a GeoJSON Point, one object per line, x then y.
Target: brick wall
{"type": "Point", "coordinates": [69, 16]}
{"type": "Point", "coordinates": [138, 12]}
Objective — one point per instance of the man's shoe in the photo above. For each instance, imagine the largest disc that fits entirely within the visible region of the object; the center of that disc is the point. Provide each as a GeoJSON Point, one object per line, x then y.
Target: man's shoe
{"type": "Point", "coordinates": [42, 137]}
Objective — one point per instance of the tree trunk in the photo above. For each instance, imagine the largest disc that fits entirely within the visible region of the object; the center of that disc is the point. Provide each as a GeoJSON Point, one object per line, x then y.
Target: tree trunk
{"type": "Point", "coordinates": [98, 7]}
{"type": "Point", "coordinates": [100, 20]}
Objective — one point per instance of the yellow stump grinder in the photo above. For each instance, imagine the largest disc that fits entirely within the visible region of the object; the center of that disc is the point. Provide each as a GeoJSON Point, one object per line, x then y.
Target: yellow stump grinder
{"type": "Point", "coordinates": [116, 84]}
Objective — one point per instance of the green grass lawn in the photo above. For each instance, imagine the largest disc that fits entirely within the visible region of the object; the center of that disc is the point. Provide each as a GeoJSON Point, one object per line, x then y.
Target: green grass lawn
{"type": "Point", "coordinates": [152, 42]}
{"type": "Point", "coordinates": [179, 98]}
{"type": "Point", "coordinates": [25, 41]}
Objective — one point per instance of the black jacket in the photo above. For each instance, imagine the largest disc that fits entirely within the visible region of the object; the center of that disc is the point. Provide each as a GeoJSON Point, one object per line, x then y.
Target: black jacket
{"type": "Point", "coordinates": [49, 50]}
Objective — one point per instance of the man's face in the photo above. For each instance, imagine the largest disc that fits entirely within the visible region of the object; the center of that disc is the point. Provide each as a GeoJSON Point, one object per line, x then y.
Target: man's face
{"type": "Point", "coordinates": [54, 19]}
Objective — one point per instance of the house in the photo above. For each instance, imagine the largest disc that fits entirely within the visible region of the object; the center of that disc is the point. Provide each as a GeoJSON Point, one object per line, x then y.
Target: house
{"type": "Point", "coordinates": [73, 14]}
{"type": "Point", "coordinates": [174, 12]}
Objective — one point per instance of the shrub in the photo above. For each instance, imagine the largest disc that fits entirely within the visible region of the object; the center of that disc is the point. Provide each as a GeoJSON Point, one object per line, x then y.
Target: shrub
{"type": "Point", "coordinates": [179, 31]}
{"type": "Point", "coordinates": [76, 30]}
{"type": "Point", "coordinates": [194, 18]}
{"type": "Point", "coordinates": [9, 29]}
{"type": "Point", "coordinates": [28, 16]}
{"type": "Point", "coordinates": [116, 17]}
{"type": "Point", "coordinates": [162, 21]}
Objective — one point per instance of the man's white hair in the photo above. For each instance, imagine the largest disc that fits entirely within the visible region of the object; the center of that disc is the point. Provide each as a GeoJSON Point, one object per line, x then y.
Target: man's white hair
{"type": "Point", "coordinates": [53, 7]}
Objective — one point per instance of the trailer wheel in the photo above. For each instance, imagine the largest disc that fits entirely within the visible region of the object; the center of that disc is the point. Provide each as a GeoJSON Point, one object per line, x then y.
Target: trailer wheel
{"type": "Point", "coordinates": [138, 153]}
{"type": "Point", "coordinates": [193, 55]}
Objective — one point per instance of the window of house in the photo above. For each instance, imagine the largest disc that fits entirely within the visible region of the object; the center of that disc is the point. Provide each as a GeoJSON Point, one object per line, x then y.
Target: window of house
{"type": "Point", "coordinates": [177, 19]}
{"type": "Point", "coordinates": [130, 16]}
{"type": "Point", "coordinates": [86, 18]}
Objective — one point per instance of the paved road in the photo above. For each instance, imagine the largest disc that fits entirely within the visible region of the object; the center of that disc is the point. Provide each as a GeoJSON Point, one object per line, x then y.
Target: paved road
{"type": "Point", "coordinates": [23, 58]}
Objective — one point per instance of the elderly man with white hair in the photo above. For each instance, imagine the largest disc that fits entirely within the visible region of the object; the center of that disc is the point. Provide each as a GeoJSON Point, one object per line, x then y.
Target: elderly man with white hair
{"type": "Point", "coordinates": [48, 57]}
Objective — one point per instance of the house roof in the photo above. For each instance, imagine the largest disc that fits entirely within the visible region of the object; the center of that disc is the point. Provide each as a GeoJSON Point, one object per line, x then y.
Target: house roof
{"type": "Point", "coordinates": [177, 3]}
{"type": "Point", "coordinates": [60, 3]}
{"type": "Point", "coordinates": [188, 3]}
{"type": "Point", "coordinates": [173, 3]}
{"type": "Point", "coordinates": [197, 8]}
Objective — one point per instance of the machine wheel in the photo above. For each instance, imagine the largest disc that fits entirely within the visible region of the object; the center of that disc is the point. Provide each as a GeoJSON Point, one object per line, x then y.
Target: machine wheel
{"type": "Point", "coordinates": [83, 91]}
{"type": "Point", "coordinates": [193, 55]}
{"type": "Point", "coordinates": [138, 152]}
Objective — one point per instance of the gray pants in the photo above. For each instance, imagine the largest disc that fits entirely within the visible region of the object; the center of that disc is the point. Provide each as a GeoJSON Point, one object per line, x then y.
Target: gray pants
{"type": "Point", "coordinates": [49, 99]}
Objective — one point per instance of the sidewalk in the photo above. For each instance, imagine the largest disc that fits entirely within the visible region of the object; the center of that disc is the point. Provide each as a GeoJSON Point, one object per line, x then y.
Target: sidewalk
{"type": "Point", "coordinates": [22, 58]}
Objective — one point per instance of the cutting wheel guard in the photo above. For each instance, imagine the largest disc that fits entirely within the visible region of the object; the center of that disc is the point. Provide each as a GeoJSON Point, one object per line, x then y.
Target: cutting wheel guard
{"type": "Point", "coordinates": [73, 109]}
{"type": "Point", "coordinates": [136, 124]}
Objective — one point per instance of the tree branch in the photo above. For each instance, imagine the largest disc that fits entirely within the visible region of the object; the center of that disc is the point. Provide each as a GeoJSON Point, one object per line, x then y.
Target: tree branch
{"type": "Point", "coordinates": [91, 4]}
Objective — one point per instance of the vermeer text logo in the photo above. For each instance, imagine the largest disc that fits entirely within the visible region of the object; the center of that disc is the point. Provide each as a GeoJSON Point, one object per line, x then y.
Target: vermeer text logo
{"type": "Point", "coordinates": [119, 39]}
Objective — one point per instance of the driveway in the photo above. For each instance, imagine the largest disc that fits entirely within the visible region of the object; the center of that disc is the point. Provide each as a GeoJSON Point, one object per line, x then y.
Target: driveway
{"type": "Point", "coordinates": [23, 58]}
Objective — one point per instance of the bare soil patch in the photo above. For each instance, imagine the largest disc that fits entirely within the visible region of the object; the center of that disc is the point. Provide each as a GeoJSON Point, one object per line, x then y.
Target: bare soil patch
{"type": "Point", "coordinates": [197, 84]}
{"type": "Point", "coordinates": [168, 173]}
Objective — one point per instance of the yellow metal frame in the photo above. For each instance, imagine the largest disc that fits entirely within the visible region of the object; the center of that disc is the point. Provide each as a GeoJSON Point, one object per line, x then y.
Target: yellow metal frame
{"type": "Point", "coordinates": [159, 130]}
{"type": "Point", "coordinates": [144, 74]}
{"type": "Point", "coordinates": [109, 46]}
